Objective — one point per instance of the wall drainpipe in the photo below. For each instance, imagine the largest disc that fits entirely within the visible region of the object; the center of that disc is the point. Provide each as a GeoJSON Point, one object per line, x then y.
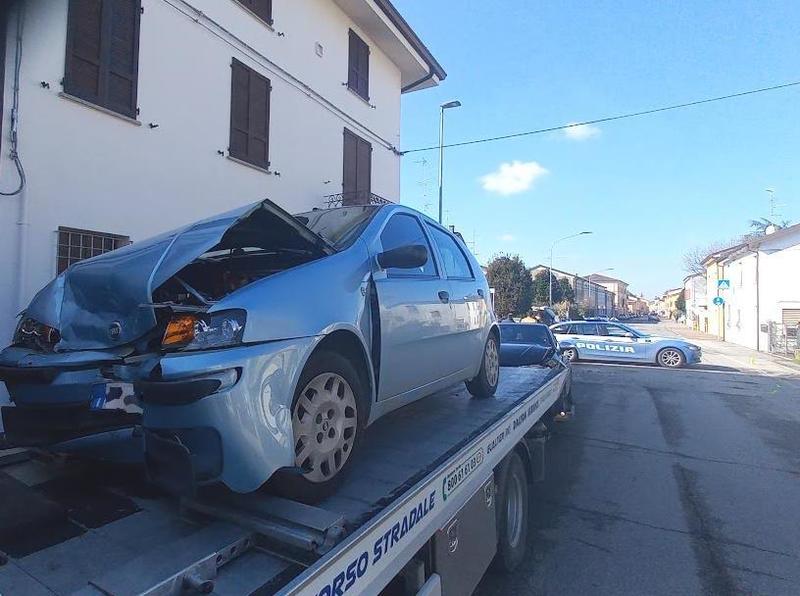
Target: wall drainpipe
{"type": "Point", "coordinates": [758, 304]}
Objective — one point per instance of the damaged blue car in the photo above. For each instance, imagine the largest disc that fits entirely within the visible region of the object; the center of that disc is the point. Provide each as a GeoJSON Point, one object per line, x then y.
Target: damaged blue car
{"type": "Point", "coordinates": [253, 345]}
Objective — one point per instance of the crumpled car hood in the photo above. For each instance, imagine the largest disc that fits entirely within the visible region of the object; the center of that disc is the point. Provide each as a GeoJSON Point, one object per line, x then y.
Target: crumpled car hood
{"type": "Point", "coordinates": [116, 288]}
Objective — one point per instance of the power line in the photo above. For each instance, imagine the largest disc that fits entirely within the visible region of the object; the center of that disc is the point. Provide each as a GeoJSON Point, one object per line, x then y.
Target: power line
{"type": "Point", "coordinates": [608, 118]}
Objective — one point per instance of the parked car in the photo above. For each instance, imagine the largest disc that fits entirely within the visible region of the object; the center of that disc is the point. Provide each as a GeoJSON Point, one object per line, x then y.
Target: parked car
{"type": "Point", "coordinates": [257, 343]}
{"type": "Point", "coordinates": [526, 344]}
{"type": "Point", "coordinates": [587, 340]}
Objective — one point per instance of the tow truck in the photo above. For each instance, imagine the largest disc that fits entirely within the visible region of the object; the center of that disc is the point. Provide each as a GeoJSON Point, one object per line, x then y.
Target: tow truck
{"type": "Point", "coordinates": [438, 493]}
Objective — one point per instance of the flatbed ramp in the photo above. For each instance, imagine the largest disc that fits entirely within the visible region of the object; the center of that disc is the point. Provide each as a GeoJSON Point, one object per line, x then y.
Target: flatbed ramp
{"type": "Point", "coordinates": [95, 530]}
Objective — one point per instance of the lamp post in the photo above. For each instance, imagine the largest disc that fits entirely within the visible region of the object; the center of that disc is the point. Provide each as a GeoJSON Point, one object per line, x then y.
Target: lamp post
{"type": "Point", "coordinates": [550, 271]}
{"type": "Point", "coordinates": [442, 108]}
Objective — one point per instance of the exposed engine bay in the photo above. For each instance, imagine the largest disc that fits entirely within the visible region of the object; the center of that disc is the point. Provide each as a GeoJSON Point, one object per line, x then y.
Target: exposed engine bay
{"type": "Point", "coordinates": [252, 249]}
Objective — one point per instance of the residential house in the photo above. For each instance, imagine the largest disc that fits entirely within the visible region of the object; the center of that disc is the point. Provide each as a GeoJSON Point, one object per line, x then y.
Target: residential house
{"type": "Point", "coordinates": [670, 308]}
{"type": "Point", "coordinates": [715, 319]}
{"type": "Point", "coordinates": [593, 298]}
{"type": "Point", "coordinates": [637, 305]}
{"type": "Point", "coordinates": [762, 304]}
{"type": "Point", "coordinates": [137, 116]}
{"type": "Point", "coordinates": [617, 286]}
{"type": "Point", "coordinates": [694, 293]}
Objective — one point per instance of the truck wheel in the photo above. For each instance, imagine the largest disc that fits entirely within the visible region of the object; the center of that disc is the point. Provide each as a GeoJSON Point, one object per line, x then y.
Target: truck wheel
{"type": "Point", "coordinates": [485, 384]}
{"type": "Point", "coordinates": [328, 416]}
{"type": "Point", "coordinates": [671, 358]}
{"type": "Point", "coordinates": [512, 514]}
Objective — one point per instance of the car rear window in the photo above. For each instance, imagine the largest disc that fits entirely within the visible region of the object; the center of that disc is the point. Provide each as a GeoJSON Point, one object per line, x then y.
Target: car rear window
{"type": "Point", "coordinates": [525, 334]}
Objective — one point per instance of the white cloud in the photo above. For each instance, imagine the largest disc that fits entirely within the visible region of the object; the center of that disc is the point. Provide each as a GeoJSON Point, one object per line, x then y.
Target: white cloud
{"type": "Point", "coordinates": [512, 178]}
{"type": "Point", "coordinates": [507, 238]}
{"type": "Point", "coordinates": [581, 132]}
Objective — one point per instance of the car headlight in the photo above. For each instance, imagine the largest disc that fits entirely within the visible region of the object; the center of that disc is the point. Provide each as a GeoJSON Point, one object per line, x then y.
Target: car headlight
{"type": "Point", "coordinates": [694, 347]}
{"type": "Point", "coordinates": [202, 331]}
{"type": "Point", "coordinates": [30, 333]}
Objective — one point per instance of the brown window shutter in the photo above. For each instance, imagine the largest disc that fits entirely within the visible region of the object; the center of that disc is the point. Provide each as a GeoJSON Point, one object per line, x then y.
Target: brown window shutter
{"type": "Point", "coordinates": [103, 53]}
{"type": "Point", "coordinates": [250, 110]}
{"type": "Point", "coordinates": [261, 8]}
{"type": "Point", "coordinates": [358, 65]}
{"type": "Point", "coordinates": [357, 170]}
{"type": "Point", "coordinates": [123, 55]}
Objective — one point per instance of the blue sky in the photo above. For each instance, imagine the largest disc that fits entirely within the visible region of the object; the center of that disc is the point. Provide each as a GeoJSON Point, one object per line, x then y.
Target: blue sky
{"type": "Point", "coordinates": [648, 188]}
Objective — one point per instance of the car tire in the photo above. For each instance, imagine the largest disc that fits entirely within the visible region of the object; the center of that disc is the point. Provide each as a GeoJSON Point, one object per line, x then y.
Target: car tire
{"type": "Point", "coordinates": [670, 358]}
{"type": "Point", "coordinates": [512, 513]}
{"type": "Point", "coordinates": [485, 384]}
{"type": "Point", "coordinates": [328, 418]}
{"type": "Point", "coordinates": [570, 354]}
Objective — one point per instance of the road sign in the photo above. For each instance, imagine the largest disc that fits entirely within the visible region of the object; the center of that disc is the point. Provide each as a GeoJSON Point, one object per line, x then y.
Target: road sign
{"type": "Point", "coordinates": [719, 300]}
{"type": "Point", "coordinates": [724, 284]}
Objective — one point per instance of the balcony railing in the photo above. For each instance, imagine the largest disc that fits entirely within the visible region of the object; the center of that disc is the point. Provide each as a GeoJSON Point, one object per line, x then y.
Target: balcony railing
{"type": "Point", "coordinates": [360, 197]}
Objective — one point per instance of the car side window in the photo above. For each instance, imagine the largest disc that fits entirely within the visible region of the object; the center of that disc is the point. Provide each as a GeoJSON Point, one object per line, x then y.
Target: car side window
{"type": "Point", "coordinates": [585, 329]}
{"type": "Point", "coordinates": [613, 331]}
{"type": "Point", "coordinates": [404, 230]}
{"type": "Point", "coordinates": [454, 261]}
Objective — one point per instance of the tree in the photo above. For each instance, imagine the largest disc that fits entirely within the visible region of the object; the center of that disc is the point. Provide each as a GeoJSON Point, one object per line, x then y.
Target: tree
{"type": "Point", "coordinates": [680, 302]}
{"type": "Point", "coordinates": [541, 289]}
{"type": "Point", "coordinates": [759, 226]}
{"type": "Point", "coordinates": [693, 259]}
{"type": "Point", "coordinates": [512, 283]}
{"type": "Point", "coordinates": [567, 293]}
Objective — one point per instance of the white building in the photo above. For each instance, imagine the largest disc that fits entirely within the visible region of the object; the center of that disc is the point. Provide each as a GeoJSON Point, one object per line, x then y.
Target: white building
{"type": "Point", "coordinates": [694, 294]}
{"type": "Point", "coordinates": [764, 291]}
{"type": "Point", "coordinates": [136, 116]}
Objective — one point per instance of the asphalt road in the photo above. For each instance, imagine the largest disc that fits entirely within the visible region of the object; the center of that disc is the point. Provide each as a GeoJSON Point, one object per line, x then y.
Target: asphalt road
{"type": "Point", "coordinates": [670, 482]}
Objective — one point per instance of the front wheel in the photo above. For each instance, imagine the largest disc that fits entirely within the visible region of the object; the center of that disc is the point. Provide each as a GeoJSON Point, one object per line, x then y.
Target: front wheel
{"type": "Point", "coordinates": [671, 358]}
{"type": "Point", "coordinates": [327, 419]}
{"type": "Point", "coordinates": [485, 384]}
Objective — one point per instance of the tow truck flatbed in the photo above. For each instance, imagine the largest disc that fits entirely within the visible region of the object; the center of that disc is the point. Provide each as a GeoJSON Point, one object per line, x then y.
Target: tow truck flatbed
{"type": "Point", "coordinates": [108, 532]}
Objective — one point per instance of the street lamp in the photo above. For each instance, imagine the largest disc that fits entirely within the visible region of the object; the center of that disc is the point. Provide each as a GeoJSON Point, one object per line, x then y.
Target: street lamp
{"type": "Point", "coordinates": [550, 276]}
{"type": "Point", "coordinates": [442, 108]}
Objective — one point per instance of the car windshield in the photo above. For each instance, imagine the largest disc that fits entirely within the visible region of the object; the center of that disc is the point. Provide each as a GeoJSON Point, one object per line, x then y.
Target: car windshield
{"type": "Point", "coordinates": [524, 334]}
{"type": "Point", "coordinates": [339, 226]}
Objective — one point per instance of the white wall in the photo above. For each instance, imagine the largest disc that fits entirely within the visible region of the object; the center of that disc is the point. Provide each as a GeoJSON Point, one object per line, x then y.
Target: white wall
{"type": "Point", "coordinates": [780, 279]}
{"type": "Point", "coordinates": [87, 169]}
{"type": "Point", "coordinates": [741, 323]}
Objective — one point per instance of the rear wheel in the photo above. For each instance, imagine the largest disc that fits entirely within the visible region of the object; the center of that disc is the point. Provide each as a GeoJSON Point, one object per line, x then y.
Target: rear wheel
{"type": "Point", "coordinates": [570, 354]}
{"type": "Point", "coordinates": [327, 419]}
{"type": "Point", "coordinates": [512, 514]}
{"type": "Point", "coordinates": [485, 384]}
{"type": "Point", "coordinates": [671, 358]}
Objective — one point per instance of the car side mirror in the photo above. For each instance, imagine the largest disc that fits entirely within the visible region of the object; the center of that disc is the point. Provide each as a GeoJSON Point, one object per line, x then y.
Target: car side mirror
{"type": "Point", "coordinates": [404, 257]}
{"type": "Point", "coordinates": [629, 334]}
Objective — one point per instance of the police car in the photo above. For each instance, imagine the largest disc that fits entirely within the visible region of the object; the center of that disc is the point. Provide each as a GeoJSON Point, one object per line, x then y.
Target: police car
{"type": "Point", "coordinates": [609, 341]}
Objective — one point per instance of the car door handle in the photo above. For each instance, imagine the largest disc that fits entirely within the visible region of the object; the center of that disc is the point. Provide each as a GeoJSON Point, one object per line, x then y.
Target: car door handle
{"type": "Point", "coordinates": [444, 296]}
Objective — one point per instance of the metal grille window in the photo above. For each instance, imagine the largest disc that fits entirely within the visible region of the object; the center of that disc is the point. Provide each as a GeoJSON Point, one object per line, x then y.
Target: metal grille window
{"type": "Point", "coordinates": [75, 245]}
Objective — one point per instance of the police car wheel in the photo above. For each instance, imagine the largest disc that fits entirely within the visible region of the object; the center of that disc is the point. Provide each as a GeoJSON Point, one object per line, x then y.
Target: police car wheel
{"type": "Point", "coordinates": [671, 358]}
{"type": "Point", "coordinates": [570, 354]}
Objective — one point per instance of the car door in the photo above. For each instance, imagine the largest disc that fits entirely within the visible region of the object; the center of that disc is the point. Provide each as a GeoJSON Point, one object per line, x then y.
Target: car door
{"type": "Point", "coordinates": [416, 319]}
{"type": "Point", "coordinates": [470, 308]}
{"type": "Point", "coordinates": [620, 342]}
{"type": "Point", "coordinates": [589, 344]}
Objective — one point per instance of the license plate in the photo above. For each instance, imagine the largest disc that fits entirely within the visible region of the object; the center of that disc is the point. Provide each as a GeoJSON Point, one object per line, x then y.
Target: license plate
{"type": "Point", "coordinates": [115, 396]}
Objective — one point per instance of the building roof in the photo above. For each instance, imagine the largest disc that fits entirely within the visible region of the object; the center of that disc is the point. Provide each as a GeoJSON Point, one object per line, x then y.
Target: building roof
{"type": "Point", "coordinates": [597, 277]}
{"type": "Point", "coordinates": [721, 254]}
{"type": "Point", "coordinates": [388, 29]}
{"type": "Point", "coordinates": [558, 272]}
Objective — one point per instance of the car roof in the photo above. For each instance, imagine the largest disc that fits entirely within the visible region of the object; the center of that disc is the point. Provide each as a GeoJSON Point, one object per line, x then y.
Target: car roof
{"type": "Point", "coordinates": [522, 324]}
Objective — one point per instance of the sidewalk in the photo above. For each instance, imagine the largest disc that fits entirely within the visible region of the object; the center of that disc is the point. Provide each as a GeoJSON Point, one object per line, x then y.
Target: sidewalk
{"type": "Point", "coordinates": [714, 349]}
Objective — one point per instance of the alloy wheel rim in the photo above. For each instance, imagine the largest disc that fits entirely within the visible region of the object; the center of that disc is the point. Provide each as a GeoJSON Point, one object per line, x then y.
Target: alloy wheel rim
{"type": "Point", "coordinates": [670, 358]}
{"type": "Point", "coordinates": [325, 422]}
{"type": "Point", "coordinates": [514, 516]}
{"type": "Point", "coordinates": [570, 354]}
{"type": "Point", "coordinates": [492, 362]}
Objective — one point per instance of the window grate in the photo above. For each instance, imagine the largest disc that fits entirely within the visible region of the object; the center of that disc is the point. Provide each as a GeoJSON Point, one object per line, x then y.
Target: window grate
{"type": "Point", "coordinates": [76, 245]}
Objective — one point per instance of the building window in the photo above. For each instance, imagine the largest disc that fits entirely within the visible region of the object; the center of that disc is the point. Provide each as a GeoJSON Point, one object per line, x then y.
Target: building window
{"type": "Point", "coordinates": [357, 174]}
{"type": "Point", "coordinates": [249, 115]}
{"type": "Point", "coordinates": [261, 8]}
{"type": "Point", "coordinates": [103, 53]}
{"type": "Point", "coordinates": [75, 245]}
{"type": "Point", "coordinates": [358, 66]}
